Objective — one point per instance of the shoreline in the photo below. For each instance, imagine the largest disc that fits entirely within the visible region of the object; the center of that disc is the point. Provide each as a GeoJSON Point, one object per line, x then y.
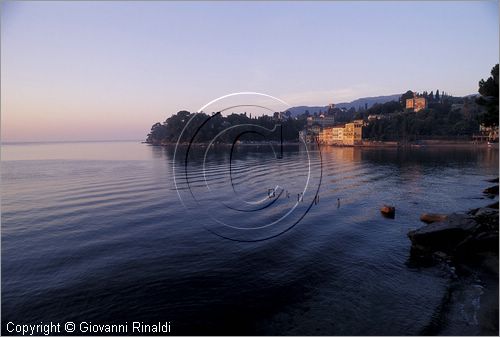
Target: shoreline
{"type": "Point", "coordinates": [366, 144]}
{"type": "Point", "coordinates": [466, 246]}
{"type": "Point", "coordinates": [427, 143]}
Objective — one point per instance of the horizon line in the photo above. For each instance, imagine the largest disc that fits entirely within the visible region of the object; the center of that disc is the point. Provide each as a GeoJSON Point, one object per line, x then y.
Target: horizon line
{"type": "Point", "coordinates": [14, 142]}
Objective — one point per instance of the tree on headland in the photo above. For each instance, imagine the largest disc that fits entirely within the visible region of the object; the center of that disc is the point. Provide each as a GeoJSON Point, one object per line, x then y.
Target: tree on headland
{"type": "Point", "coordinates": [437, 95]}
{"type": "Point", "coordinates": [489, 98]}
{"type": "Point", "coordinates": [490, 86]}
{"type": "Point", "coordinates": [158, 133]}
{"type": "Point", "coordinates": [205, 128]}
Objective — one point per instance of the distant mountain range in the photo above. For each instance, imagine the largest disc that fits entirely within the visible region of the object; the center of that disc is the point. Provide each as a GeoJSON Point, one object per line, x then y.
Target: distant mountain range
{"type": "Point", "coordinates": [357, 103]}
{"type": "Point", "coordinates": [360, 102]}
{"type": "Point", "coordinates": [369, 101]}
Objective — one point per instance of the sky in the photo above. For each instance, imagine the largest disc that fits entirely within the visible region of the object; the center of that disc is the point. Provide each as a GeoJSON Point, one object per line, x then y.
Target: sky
{"type": "Point", "coordinates": [109, 70]}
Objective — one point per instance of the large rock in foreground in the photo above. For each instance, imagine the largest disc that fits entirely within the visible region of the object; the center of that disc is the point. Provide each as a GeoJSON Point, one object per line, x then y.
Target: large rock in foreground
{"type": "Point", "coordinates": [445, 235]}
{"type": "Point", "coordinates": [491, 190]}
{"type": "Point", "coordinates": [459, 235]}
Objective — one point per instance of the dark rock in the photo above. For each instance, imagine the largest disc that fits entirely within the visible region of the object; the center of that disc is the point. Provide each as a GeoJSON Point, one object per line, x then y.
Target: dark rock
{"type": "Point", "coordinates": [441, 256]}
{"type": "Point", "coordinates": [491, 190]}
{"type": "Point", "coordinates": [487, 211]}
{"type": "Point", "coordinates": [480, 243]}
{"type": "Point", "coordinates": [493, 205]}
{"type": "Point", "coordinates": [491, 265]}
{"type": "Point", "coordinates": [458, 237]}
{"type": "Point", "coordinates": [419, 258]}
{"type": "Point", "coordinates": [388, 211]}
{"type": "Point", "coordinates": [493, 180]}
{"type": "Point", "coordinates": [487, 218]}
{"type": "Point", "coordinates": [443, 236]}
{"type": "Point", "coordinates": [487, 241]}
{"type": "Point", "coordinates": [473, 211]}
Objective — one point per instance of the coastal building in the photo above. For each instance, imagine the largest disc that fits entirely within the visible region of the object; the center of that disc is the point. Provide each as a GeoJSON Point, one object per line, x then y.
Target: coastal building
{"type": "Point", "coordinates": [346, 134]}
{"type": "Point", "coordinates": [309, 135]}
{"type": "Point", "coordinates": [322, 120]}
{"type": "Point", "coordinates": [353, 133]}
{"type": "Point", "coordinates": [416, 103]}
{"type": "Point", "coordinates": [489, 132]}
{"type": "Point", "coordinates": [332, 135]}
{"type": "Point", "coordinates": [315, 127]}
{"type": "Point", "coordinates": [372, 118]}
{"type": "Point", "coordinates": [337, 134]}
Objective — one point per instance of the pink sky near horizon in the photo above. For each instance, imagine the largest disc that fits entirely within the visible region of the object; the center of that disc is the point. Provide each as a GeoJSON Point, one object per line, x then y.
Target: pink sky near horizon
{"type": "Point", "coordinates": [108, 71]}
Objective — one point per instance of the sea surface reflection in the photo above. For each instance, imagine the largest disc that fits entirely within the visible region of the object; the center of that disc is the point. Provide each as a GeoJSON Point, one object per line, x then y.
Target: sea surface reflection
{"type": "Point", "coordinates": [96, 232]}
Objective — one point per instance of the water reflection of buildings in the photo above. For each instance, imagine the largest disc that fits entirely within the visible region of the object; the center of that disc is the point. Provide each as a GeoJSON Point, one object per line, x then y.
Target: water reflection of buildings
{"type": "Point", "coordinates": [341, 154]}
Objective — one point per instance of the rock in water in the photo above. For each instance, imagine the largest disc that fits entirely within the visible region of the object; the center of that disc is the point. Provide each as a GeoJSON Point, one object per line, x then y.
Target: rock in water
{"type": "Point", "coordinates": [388, 211]}
{"type": "Point", "coordinates": [487, 218]}
{"type": "Point", "coordinates": [491, 190]}
{"type": "Point", "coordinates": [443, 236]}
{"type": "Point", "coordinates": [460, 236]}
{"type": "Point", "coordinates": [431, 217]}
{"type": "Point", "coordinates": [483, 242]}
{"type": "Point", "coordinates": [493, 205]}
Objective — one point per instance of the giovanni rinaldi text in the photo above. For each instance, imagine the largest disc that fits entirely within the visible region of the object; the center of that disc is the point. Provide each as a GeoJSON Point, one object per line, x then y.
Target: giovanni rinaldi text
{"type": "Point", "coordinates": [87, 327]}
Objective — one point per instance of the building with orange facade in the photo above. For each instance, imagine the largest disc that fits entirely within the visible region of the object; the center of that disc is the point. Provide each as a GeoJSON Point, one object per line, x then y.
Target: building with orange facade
{"type": "Point", "coordinates": [348, 134]}
{"type": "Point", "coordinates": [416, 103]}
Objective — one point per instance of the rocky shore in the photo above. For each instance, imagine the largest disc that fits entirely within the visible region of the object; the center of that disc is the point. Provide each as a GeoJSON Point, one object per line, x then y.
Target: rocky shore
{"type": "Point", "coordinates": [466, 244]}
{"type": "Point", "coordinates": [458, 237]}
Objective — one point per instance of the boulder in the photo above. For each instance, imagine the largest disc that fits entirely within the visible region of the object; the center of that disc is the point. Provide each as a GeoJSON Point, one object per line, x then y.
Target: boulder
{"type": "Point", "coordinates": [441, 256]}
{"type": "Point", "coordinates": [432, 217]}
{"type": "Point", "coordinates": [445, 235]}
{"type": "Point", "coordinates": [487, 212]}
{"type": "Point", "coordinates": [388, 211]}
{"type": "Point", "coordinates": [460, 236]}
{"type": "Point", "coordinates": [483, 242]}
{"type": "Point", "coordinates": [493, 205]}
{"type": "Point", "coordinates": [491, 190]}
{"type": "Point", "coordinates": [487, 218]}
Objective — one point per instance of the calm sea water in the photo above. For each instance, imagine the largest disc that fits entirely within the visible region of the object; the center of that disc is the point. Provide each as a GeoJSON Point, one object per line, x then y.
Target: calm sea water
{"type": "Point", "coordinates": [96, 232]}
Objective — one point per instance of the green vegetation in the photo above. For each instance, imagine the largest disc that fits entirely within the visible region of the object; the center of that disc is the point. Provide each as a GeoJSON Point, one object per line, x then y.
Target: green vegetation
{"type": "Point", "coordinates": [450, 117]}
{"type": "Point", "coordinates": [489, 98]}
{"type": "Point", "coordinates": [429, 123]}
{"type": "Point", "coordinates": [171, 129]}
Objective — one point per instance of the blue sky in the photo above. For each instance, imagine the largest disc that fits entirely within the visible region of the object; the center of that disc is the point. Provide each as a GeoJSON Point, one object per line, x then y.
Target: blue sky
{"type": "Point", "coordinates": [109, 70]}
